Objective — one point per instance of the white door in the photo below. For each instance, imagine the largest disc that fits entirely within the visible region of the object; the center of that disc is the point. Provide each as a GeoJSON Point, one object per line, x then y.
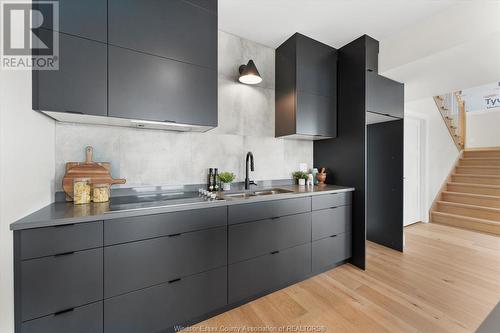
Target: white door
{"type": "Point", "coordinates": [412, 170]}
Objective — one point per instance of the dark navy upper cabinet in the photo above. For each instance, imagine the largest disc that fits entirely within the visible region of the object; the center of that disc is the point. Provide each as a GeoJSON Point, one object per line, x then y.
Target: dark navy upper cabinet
{"type": "Point", "coordinates": [210, 5]}
{"type": "Point", "coordinates": [372, 48]}
{"type": "Point", "coordinates": [86, 19]}
{"type": "Point", "coordinates": [384, 96]}
{"type": "Point", "coordinates": [306, 89]}
{"type": "Point", "coordinates": [79, 86]}
{"type": "Point", "coordinates": [147, 87]}
{"type": "Point", "coordinates": [173, 29]}
{"type": "Point", "coordinates": [133, 59]}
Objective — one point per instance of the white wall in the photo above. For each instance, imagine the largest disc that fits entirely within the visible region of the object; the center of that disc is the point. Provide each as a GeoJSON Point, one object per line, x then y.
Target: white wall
{"type": "Point", "coordinates": [483, 128]}
{"type": "Point", "coordinates": [440, 150]}
{"type": "Point", "coordinates": [452, 50]}
{"type": "Point", "coordinates": [27, 141]}
{"type": "Point", "coordinates": [246, 123]}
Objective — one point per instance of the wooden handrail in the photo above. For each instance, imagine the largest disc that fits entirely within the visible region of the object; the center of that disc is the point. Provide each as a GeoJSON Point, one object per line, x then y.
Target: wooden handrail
{"type": "Point", "coordinates": [457, 132]}
{"type": "Point", "coordinates": [462, 117]}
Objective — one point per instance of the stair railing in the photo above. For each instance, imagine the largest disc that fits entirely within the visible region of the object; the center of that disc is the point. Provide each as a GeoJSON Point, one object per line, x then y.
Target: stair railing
{"type": "Point", "coordinates": [452, 109]}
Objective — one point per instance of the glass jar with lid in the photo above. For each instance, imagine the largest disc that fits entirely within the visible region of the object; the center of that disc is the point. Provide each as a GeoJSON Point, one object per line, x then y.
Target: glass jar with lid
{"type": "Point", "coordinates": [100, 193]}
{"type": "Point", "coordinates": [81, 191]}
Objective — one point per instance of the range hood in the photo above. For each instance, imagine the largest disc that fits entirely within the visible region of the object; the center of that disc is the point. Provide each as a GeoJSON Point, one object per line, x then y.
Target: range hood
{"type": "Point", "coordinates": [69, 117]}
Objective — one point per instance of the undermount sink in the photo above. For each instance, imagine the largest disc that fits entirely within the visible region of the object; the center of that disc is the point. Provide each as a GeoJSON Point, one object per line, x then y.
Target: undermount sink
{"type": "Point", "coordinates": [272, 191]}
{"type": "Point", "coordinates": [239, 195]}
{"type": "Point", "coordinates": [244, 195]}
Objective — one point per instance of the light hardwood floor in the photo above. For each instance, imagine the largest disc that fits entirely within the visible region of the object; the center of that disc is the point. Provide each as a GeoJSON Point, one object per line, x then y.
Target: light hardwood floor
{"type": "Point", "coordinates": [447, 280]}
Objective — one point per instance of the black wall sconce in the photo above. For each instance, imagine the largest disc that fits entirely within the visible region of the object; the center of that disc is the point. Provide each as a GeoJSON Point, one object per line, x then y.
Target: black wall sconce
{"type": "Point", "coordinates": [249, 74]}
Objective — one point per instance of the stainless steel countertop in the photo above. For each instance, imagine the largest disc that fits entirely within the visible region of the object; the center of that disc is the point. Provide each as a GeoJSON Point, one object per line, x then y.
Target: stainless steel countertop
{"type": "Point", "coordinates": [60, 213]}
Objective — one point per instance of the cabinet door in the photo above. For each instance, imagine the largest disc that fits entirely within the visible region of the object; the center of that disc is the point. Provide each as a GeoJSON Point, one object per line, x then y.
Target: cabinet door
{"type": "Point", "coordinates": [174, 29]}
{"type": "Point", "coordinates": [267, 209]}
{"type": "Point", "coordinates": [372, 48]}
{"type": "Point", "coordinates": [330, 251]}
{"type": "Point", "coordinates": [86, 18]}
{"type": "Point", "coordinates": [146, 87]}
{"type": "Point", "coordinates": [266, 273]}
{"type": "Point", "coordinates": [316, 67]}
{"type": "Point", "coordinates": [129, 229]}
{"type": "Point", "coordinates": [136, 265]}
{"type": "Point", "coordinates": [158, 308]}
{"type": "Point", "coordinates": [330, 222]}
{"type": "Point", "coordinates": [252, 239]}
{"type": "Point", "coordinates": [384, 96]}
{"type": "Point", "coordinates": [58, 283]}
{"type": "Point", "coordinates": [84, 319]}
{"type": "Point", "coordinates": [48, 241]}
{"type": "Point", "coordinates": [79, 86]}
{"type": "Point", "coordinates": [316, 115]}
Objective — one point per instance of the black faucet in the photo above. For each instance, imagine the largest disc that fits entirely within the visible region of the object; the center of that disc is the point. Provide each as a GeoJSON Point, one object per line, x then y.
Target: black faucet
{"type": "Point", "coordinates": [249, 182]}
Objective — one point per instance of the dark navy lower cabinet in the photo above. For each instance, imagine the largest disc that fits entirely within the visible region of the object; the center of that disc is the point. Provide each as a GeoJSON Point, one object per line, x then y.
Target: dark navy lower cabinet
{"type": "Point", "coordinates": [60, 282]}
{"type": "Point", "coordinates": [163, 306]}
{"type": "Point", "coordinates": [329, 251]}
{"type": "Point", "coordinates": [83, 319]}
{"type": "Point", "coordinates": [155, 272]}
{"type": "Point", "coordinates": [141, 264]}
{"type": "Point", "coordinates": [266, 273]}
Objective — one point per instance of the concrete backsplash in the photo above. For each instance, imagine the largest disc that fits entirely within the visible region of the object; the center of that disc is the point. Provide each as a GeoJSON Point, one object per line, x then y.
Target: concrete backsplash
{"type": "Point", "coordinates": [246, 123]}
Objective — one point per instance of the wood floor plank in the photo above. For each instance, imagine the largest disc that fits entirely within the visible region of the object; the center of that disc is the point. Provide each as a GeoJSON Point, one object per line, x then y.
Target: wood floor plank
{"type": "Point", "coordinates": [447, 280]}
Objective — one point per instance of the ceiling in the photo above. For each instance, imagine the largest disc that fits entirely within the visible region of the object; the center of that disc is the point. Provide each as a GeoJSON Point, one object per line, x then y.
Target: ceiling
{"type": "Point", "coordinates": [334, 22]}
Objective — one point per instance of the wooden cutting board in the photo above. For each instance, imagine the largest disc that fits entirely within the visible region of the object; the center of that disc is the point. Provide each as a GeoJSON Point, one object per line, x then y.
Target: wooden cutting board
{"type": "Point", "coordinates": [97, 172]}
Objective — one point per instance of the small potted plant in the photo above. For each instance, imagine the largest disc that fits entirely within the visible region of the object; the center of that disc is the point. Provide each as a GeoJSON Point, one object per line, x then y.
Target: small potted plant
{"type": "Point", "coordinates": [300, 176]}
{"type": "Point", "coordinates": [226, 178]}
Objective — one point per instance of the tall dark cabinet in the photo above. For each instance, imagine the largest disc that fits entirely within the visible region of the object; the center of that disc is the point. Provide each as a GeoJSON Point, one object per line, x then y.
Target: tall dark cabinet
{"type": "Point", "coordinates": [365, 97]}
{"type": "Point", "coordinates": [134, 60]}
{"type": "Point", "coordinates": [385, 183]}
{"type": "Point", "coordinates": [306, 89]}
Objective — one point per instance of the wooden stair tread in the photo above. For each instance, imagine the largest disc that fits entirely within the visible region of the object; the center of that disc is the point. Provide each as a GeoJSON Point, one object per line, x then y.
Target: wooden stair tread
{"type": "Point", "coordinates": [474, 185]}
{"type": "Point", "coordinates": [462, 217]}
{"type": "Point", "coordinates": [479, 166]}
{"type": "Point", "coordinates": [466, 222]}
{"type": "Point", "coordinates": [475, 175]}
{"type": "Point", "coordinates": [462, 205]}
{"type": "Point", "coordinates": [480, 158]}
{"type": "Point", "coordinates": [473, 195]}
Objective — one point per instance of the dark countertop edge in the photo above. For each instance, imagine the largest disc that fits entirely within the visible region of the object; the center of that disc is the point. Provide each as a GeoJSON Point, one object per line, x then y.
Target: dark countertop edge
{"type": "Point", "coordinates": [30, 221]}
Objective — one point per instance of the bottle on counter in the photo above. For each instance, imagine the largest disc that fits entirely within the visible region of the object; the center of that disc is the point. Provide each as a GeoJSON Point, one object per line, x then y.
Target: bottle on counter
{"type": "Point", "coordinates": [216, 180]}
{"type": "Point", "coordinates": [310, 179]}
{"type": "Point", "coordinates": [210, 184]}
{"type": "Point", "coordinates": [314, 173]}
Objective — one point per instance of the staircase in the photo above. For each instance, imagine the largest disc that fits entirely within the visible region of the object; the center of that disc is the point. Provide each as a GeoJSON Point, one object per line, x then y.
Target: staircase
{"type": "Point", "coordinates": [470, 198]}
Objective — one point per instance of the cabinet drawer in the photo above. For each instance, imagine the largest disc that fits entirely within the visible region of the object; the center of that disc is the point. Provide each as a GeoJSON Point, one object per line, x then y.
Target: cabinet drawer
{"type": "Point", "coordinates": [57, 283]}
{"type": "Point", "coordinates": [84, 319]}
{"type": "Point", "coordinates": [48, 241]}
{"type": "Point", "coordinates": [255, 276]}
{"type": "Point", "coordinates": [136, 265]}
{"type": "Point", "coordinates": [329, 251]}
{"type": "Point", "coordinates": [331, 200]}
{"type": "Point", "coordinates": [249, 240]}
{"type": "Point", "coordinates": [268, 209]}
{"type": "Point", "coordinates": [160, 307]}
{"type": "Point", "coordinates": [332, 221]}
{"type": "Point", "coordinates": [143, 227]}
